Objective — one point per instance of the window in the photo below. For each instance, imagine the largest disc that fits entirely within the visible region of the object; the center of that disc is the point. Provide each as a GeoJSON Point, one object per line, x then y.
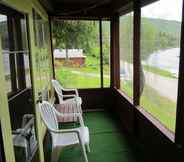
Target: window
{"type": "Point", "coordinates": [106, 52]}
{"type": "Point", "coordinates": [15, 51]}
{"type": "Point", "coordinates": [5, 49]}
{"type": "Point", "coordinates": [160, 49]}
{"type": "Point", "coordinates": [41, 33]}
{"type": "Point", "coordinates": [126, 53]}
{"type": "Point", "coordinates": [77, 53]}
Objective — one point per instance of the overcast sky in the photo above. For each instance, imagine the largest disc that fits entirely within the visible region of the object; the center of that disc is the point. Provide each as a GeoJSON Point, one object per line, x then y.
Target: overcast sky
{"type": "Point", "coordinates": [2, 18]}
{"type": "Point", "coordinates": [164, 9]}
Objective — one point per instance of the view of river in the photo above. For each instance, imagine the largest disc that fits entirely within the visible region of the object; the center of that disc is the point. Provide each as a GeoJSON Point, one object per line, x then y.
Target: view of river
{"type": "Point", "coordinates": [165, 59]}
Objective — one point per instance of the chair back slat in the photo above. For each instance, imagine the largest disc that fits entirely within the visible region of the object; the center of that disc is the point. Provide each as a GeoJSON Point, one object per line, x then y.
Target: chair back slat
{"type": "Point", "coordinates": [58, 88]}
{"type": "Point", "coordinates": [48, 115]}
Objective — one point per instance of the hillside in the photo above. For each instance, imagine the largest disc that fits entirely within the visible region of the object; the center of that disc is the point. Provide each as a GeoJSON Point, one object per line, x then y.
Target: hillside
{"type": "Point", "coordinates": [156, 34]}
{"type": "Point", "coordinates": [168, 26]}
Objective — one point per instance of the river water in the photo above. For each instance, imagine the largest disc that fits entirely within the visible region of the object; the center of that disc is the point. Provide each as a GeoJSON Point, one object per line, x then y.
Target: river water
{"type": "Point", "coordinates": [165, 59]}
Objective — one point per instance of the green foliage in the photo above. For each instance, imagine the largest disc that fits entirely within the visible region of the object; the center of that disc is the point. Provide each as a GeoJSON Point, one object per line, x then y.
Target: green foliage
{"type": "Point", "coordinates": [82, 34]}
{"type": "Point", "coordinates": [154, 38]}
{"type": "Point", "coordinates": [75, 34]}
{"type": "Point", "coordinates": [156, 34]}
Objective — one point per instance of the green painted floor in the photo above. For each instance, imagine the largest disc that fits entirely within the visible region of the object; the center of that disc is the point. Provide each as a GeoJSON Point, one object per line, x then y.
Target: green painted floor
{"type": "Point", "coordinates": [108, 143]}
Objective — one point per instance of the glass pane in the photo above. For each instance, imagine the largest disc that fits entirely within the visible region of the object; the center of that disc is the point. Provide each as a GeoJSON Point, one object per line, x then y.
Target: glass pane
{"type": "Point", "coordinates": [126, 53]}
{"type": "Point", "coordinates": [76, 53]}
{"type": "Point", "coordinates": [41, 32]}
{"type": "Point", "coordinates": [25, 49]}
{"type": "Point", "coordinates": [5, 50]}
{"type": "Point", "coordinates": [160, 49]}
{"type": "Point", "coordinates": [106, 52]}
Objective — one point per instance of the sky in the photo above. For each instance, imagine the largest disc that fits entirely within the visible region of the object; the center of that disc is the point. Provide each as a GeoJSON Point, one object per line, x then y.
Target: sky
{"type": "Point", "coordinates": [2, 18]}
{"type": "Point", "coordinates": [164, 9]}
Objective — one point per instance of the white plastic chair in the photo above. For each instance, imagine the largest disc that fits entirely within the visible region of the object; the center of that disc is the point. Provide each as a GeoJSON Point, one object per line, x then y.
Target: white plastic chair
{"type": "Point", "coordinates": [64, 137]}
{"type": "Point", "coordinates": [59, 90]}
{"type": "Point", "coordinates": [67, 103]}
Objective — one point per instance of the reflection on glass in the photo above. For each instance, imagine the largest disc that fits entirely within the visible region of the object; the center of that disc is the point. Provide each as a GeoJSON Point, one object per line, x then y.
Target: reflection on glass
{"type": "Point", "coordinates": [126, 53]}
{"type": "Point", "coordinates": [5, 50]}
{"type": "Point", "coordinates": [106, 52]}
{"type": "Point", "coordinates": [160, 49]}
{"type": "Point", "coordinates": [41, 32]}
{"type": "Point", "coordinates": [76, 53]}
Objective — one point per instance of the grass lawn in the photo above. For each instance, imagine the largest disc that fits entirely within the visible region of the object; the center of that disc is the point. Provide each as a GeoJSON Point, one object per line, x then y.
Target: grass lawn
{"type": "Point", "coordinates": [83, 79]}
{"type": "Point", "coordinates": [159, 106]}
{"type": "Point", "coordinates": [72, 80]}
{"type": "Point", "coordinates": [158, 71]}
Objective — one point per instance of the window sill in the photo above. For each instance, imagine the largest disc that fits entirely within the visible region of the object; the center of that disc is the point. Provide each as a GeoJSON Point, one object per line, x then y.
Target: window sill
{"type": "Point", "coordinates": [164, 130]}
{"type": "Point", "coordinates": [125, 96]}
{"type": "Point", "coordinates": [168, 133]}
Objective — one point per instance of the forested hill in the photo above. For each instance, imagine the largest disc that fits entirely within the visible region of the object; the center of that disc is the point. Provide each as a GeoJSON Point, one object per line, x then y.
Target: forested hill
{"type": "Point", "coordinates": [168, 26]}
{"type": "Point", "coordinates": [158, 34]}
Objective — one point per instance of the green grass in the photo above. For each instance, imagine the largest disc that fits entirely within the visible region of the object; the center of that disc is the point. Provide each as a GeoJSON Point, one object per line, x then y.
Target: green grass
{"type": "Point", "coordinates": [158, 71]}
{"type": "Point", "coordinates": [70, 80]}
{"type": "Point", "coordinates": [127, 87]}
{"type": "Point", "coordinates": [159, 106]}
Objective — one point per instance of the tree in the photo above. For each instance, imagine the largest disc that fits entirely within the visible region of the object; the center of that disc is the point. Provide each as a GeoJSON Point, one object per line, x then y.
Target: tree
{"type": "Point", "coordinates": [72, 34]}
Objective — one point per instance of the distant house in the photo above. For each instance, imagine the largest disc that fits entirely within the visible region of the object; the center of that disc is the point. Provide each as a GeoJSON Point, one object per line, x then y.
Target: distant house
{"type": "Point", "coordinates": [74, 56]}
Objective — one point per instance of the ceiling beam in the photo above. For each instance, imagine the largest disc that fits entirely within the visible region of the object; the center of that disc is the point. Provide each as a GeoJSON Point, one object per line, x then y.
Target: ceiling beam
{"type": "Point", "coordinates": [47, 5]}
{"type": "Point", "coordinates": [83, 11]}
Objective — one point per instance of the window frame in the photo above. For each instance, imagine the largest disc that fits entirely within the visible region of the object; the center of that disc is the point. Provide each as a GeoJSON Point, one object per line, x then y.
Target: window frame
{"type": "Point", "coordinates": [177, 136]}
{"type": "Point", "coordinates": [101, 58]}
{"type": "Point", "coordinates": [17, 69]}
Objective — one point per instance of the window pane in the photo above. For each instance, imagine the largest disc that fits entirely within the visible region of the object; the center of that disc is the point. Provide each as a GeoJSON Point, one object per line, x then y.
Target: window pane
{"type": "Point", "coordinates": [126, 53]}
{"type": "Point", "coordinates": [5, 50]}
{"type": "Point", "coordinates": [77, 53]}
{"type": "Point", "coordinates": [160, 49]}
{"type": "Point", "coordinates": [106, 52]}
{"type": "Point", "coordinates": [25, 49]}
{"type": "Point", "coordinates": [41, 33]}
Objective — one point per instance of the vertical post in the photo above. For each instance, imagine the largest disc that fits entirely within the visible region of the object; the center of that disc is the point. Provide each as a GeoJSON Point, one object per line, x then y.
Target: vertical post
{"type": "Point", "coordinates": [136, 52]}
{"type": "Point", "coordinates": [5, 116]}
{"type": "Point", "coordinates": [179, 134]}
{"type": "Point", "coordinates": [101, 52]}
{"type": "Point", "coordinates": [51, 44]}
{"type": "Point", "coordinates": [11, 56]}
{"type": "Point", "coordinates": [115, 59]}
{"type": "Point", "coordinates": [19, 56]}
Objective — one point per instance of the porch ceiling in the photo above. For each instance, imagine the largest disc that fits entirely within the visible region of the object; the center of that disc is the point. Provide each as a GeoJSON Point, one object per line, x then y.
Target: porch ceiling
{"type": "Point", "coordinates": [91, 8]}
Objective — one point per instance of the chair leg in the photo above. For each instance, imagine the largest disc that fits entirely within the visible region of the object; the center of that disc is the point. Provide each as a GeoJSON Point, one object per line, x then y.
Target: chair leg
{"type": "Point", "coordinates": [88, 148]}
{"type": "Point", "coordinates": [55, 154]}
{"type": "Point", "coordinates": [84, 152]}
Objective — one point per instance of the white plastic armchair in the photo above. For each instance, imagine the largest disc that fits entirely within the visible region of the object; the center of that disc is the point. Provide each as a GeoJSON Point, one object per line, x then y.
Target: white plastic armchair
{"type": "Point", "coordinates": [59, 90]}
{"type": "Point", "coordinates": [72, 103]}
{"type": "Point", "coordinates": [64, 137]}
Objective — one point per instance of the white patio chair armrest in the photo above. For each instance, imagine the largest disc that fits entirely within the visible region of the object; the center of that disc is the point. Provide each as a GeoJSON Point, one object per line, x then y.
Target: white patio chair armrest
{"type": "Point", "coordinates": [70, 90]}
{"type": "Point", "coordinates": [73, 130]}
{"type": "Point", "coordinates": [69, 95]}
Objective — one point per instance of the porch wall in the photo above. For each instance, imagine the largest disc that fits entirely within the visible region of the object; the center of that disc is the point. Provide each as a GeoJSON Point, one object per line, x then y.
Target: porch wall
{"type": "Point", "coordinates": [26, 6]}
{"type": "Point", "coordinates": [157, 147]}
